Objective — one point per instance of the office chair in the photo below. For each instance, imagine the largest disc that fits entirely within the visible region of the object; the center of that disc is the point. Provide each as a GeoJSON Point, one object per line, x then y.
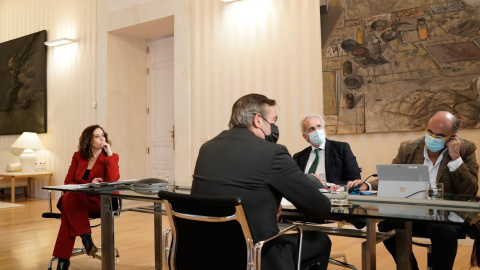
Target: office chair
{"type": "Point", "coordinates": [428, 245]}
{"type": "Point", "coordinates": [210, 232]}
{"type": "Point", "coordinates": [116, 206]}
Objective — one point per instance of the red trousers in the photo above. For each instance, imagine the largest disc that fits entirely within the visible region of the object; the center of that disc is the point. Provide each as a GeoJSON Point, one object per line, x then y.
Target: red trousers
{"type": "Point", "coordinates": [75, 208]}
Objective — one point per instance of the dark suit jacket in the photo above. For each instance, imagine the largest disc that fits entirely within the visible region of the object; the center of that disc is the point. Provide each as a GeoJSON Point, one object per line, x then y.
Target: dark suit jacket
{"type": "Point", "coordinates": [236, 162]}
{"type": "Point", "coordinates": [340, 163]}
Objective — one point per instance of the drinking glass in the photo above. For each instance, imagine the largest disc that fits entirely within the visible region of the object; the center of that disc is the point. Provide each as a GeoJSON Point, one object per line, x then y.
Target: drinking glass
{"type": "Point", "coordinates": [434, 191]}
{"type": "Point", "coordinates": [338, 196]}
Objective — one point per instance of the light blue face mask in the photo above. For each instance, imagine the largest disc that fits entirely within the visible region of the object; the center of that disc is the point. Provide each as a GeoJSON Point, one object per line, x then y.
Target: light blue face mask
{"type": "Point", "coordinates": [434, 145]}
{"type": "Point", "coordinates": [317, 137]}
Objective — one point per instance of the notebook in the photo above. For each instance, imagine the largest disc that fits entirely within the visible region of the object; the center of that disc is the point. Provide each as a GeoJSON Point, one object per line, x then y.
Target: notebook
{"type": "Point", "coordinates": [402, 180]}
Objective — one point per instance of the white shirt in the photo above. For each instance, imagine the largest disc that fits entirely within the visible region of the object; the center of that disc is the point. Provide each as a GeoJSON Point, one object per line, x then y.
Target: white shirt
{"type": "Point", "coordinates": [321, 162]}
{"type": "Point", "coordinates": [433, 168]}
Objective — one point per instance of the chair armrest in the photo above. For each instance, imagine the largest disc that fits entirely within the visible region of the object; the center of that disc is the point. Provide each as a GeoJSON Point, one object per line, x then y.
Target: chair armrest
{"type": "Point", "coordinates": [259, 245]}
{"type": "Point", "coordinates": [166, 247]}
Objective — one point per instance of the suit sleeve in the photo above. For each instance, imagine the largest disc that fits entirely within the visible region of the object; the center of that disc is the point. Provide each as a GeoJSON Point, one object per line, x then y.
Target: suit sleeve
{"type": "Point", "coordinates": [352, 171]}
{"type": "Point", "coordinates": [112, 170]}
{"type": "Point", "coordinates": [295, 186]}
{"type": "Point", "coordinates": [465, 177]}
{"type": "Point", "coordinates": [70, 178]}
{"type": "Point", "coordinates": [400, 158]}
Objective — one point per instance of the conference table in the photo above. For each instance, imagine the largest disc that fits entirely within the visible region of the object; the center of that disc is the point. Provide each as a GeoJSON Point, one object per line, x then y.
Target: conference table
{"type": "Point", "coordinates": [367, 209]}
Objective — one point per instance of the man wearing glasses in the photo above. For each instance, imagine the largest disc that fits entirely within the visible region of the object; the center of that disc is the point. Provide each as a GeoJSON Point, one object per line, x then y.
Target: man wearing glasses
{"type": "Point", "coordinates": [450, 161]}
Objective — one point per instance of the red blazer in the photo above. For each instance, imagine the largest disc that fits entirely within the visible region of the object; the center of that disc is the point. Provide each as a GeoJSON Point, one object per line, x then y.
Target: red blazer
{"type": "Point", "coordinates": [106, 167]}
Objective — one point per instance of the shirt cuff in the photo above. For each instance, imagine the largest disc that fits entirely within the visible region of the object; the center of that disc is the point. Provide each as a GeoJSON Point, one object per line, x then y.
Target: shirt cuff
{"type": "Point", "coordinates": [454, 164]}
{"type": "Point", "coordinates": [369, 186]}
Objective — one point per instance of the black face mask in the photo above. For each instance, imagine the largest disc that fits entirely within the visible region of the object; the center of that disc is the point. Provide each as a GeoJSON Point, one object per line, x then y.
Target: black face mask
{"type": "Point", "coordinates": [274, 132]}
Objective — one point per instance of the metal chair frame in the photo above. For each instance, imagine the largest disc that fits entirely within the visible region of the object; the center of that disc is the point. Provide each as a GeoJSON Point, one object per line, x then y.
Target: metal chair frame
{"type": "Point", "coordinates": [254, 250]}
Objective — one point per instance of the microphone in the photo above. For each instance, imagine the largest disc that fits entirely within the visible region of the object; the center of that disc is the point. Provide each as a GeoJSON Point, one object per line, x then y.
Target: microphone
{"type": "Point", "coordinates": [356, 190]}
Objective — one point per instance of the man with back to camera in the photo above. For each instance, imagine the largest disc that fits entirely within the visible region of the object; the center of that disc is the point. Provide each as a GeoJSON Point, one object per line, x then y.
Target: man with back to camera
{"type": "Point", "coordinates": [335, 163]}
{"type": "Point", "coordinates": [450, 161]}
{"type": "Point", "coordinates": [245, 161]}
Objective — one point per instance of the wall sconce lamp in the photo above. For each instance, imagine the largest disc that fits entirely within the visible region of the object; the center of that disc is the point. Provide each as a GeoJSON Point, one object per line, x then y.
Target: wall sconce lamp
{"type": "Point", "coordinates": [28, 141]}
{"type": "Point", "coordinates": [58, 42]}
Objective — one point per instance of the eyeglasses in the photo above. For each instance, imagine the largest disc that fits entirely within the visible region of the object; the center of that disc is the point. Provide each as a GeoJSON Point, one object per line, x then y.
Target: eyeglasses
{"type": "Point", "coordinates": [437, 138]}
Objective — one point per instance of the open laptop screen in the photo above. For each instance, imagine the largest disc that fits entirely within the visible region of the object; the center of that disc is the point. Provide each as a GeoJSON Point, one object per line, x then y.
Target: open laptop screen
{"type": "Point", "coordinates": [402, 180]}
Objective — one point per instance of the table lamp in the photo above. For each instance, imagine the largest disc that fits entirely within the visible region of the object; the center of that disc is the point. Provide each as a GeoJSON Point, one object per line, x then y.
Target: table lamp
{"type": "Point", "coordinates": [28, 141]}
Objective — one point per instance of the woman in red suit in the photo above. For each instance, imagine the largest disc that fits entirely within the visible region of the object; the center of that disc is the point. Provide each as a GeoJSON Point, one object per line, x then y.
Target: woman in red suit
{"type": "Point", "coordinates": [93, 163]}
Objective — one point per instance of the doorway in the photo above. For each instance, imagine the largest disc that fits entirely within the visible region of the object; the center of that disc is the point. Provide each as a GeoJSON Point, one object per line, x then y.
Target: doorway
{"type": "Point", "coordinates": [160, 106]}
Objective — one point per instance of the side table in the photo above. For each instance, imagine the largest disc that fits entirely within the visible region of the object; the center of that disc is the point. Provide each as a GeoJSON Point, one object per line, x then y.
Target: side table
{"type": "Point", "coordinates": [31, 176]}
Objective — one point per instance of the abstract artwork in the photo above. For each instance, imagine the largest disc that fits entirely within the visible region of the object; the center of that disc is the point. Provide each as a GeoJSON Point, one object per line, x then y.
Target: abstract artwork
{"type": "Point", "coordinates": [23, 95]}
{"type": "Point", "coordinates": [397, 62]}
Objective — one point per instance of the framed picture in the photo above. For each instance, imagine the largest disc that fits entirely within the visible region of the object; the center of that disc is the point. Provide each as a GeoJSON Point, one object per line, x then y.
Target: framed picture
{"type": "Point", "coordinates": [23, 87]}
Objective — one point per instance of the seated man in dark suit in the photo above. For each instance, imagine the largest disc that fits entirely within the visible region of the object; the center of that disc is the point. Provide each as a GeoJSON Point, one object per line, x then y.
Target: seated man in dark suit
{"type": "Point", "coordinates": [245, 161]}
{"type": "Point", "coordinates": [335, 162]}
{"type": "Point", "coordinates": [450, 161]}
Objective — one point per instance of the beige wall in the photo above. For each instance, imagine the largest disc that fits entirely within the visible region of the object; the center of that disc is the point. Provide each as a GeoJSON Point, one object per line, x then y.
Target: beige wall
{"type": "Point", "coordinates": [125, 28]}
{"type": "Point", "coordinates": [270, 47]}
{"type": "Point", "coordinates": [265, 46]}
{"type": "Point", "coordinates": [222, 51]}
{"type": "Point", "coordinates": [70, 73]}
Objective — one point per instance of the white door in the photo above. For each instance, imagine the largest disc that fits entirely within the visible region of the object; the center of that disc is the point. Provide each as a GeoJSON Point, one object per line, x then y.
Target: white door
{"type": "Point", "coordinates": [160, 125]}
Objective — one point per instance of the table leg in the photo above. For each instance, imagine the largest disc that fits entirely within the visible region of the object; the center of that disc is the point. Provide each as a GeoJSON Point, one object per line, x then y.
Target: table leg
{"type": "Point", "coordinates": [404, 247]}
{"type": "Point", "coordinates": [12, 189]}
{"type": "Point", "coordinates": [108, 240]}
{"type": "Point", "coordinates": [369, 251]}
{"type": "Point", "coordinates": [30, 184]}
{"type": "Point", "coordinates": [157, 223]}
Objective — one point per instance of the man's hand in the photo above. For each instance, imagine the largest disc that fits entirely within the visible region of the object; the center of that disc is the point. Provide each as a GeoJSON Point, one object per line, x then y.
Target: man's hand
{"type": "Point", "coordinates": [453, 145]}
{"type": "Point", "coordinates": [354, 183]}
{"type": "Point", "coordinates": [319, 177]}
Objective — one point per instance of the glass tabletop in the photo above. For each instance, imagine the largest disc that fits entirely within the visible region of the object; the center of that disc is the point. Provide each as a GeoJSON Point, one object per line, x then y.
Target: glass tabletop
{"type": "Point", "coordinates": [454, 209]}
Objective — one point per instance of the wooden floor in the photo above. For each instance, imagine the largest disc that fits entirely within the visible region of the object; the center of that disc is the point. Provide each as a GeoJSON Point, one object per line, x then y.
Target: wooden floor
{"type": "Point", "coordinates": [27, 240]}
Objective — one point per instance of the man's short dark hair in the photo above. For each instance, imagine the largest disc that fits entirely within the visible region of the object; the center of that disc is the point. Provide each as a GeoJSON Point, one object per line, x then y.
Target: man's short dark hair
{"type": "Point", "coordinates": [246, 107]}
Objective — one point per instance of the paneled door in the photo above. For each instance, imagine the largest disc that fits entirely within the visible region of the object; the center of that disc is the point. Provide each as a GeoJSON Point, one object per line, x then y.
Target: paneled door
{"type": "Point", "coordinates": [160, 124]}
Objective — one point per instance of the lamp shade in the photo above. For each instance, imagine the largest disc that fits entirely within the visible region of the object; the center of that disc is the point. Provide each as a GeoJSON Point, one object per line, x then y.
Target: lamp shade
{"type": "Point", "coordinates": [28, 140]}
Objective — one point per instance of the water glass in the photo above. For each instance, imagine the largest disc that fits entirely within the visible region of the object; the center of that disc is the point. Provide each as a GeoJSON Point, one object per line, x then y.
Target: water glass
{"type": "Point", "coordinates": [434, 191]}
{"type": "Point", "coordinates": [338, 196]}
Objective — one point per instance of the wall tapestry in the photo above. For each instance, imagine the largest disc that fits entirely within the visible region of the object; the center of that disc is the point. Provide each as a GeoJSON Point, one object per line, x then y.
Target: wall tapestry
{"type": "Point", "coordinates": [23, 95]}
{"type": "Point", "coordinates": [397, 62]}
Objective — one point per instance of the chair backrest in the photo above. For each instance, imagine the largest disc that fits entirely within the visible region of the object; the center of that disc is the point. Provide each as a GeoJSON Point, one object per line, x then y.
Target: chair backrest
{"type": "Point", "coordinates": [208, 232]}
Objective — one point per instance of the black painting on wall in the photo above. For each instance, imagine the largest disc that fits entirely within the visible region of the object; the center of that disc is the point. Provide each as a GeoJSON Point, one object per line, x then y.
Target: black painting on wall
{"type": "Point", "coordinates": [23, 91]}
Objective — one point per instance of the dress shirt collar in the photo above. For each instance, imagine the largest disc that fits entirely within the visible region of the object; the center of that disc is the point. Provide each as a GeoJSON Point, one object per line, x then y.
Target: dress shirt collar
{"type": "Point", "coordinates": [322, 146]}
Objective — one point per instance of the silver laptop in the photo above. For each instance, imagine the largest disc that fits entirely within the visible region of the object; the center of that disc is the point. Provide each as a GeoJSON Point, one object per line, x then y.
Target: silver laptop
{"type": "Point", "coordinates": [402, 180]}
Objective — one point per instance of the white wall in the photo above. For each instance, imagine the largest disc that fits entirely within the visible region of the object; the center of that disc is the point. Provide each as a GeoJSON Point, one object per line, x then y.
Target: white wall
{"type": "Point", "coordinates": [70, 73]}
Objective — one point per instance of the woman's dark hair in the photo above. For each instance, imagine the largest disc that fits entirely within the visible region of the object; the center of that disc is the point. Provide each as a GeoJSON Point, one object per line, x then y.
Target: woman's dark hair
{"type": "Point", "coordinates": [84, 143]}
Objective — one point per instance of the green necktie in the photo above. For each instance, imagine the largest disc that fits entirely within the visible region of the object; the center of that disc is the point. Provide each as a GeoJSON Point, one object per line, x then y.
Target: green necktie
{"type": "Point", "coordinates": [313, 168]}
